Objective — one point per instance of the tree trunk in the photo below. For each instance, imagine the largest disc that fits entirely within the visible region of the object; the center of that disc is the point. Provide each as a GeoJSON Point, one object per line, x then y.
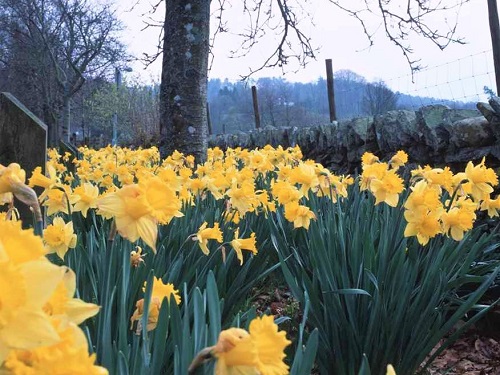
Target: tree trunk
{"type": "Point", "coordinates": [183, 91]}
{"type": "Point", "coordinates": [66, 118]}
{"type": "Point", "coordinates": [53, 129]}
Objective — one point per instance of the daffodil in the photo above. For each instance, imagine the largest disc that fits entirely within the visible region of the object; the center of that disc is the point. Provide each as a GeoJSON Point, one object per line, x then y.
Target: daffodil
{"type": "Point", "coordinates": [436, 177]}
{"type": "Point", "coordinates": [159, 292]}
{"type": "Point", "coordinates": [68, 356]}
{"type": "Point", "coordinates": [164, 203]}
{"type": "Point", "coordinates": [375, 171]}
{"type": "Point", "coordinates": [59, 237]}
{"type": "Point", "coordinates": [39, 179]}
{"type": "Point", "coordinates": [387, 189]}
{"type": "Point", "coordinates": [204, 234]}
{"type": "Point", "coordinates": [20, 245]}
{"type": "Point", "coordinates": [368, 159]}
{"type": "Point", "coordinates": [422, 223]}
{"type": "Point", "coordinates": [424, 195]}
{"type": "Point", "coordinates": [264, 202]}
{"type": "Point", "coordinates": [305, 175]}
{"type": "Point", "coordinates": [260, 351]}
{"type": "Point", "coordinates": [63, 304]}
{"type": "Point", "coordinates": [490, 205]}
{"type": "Point", "coordinates": [12, 180]}
{"type": "Point", "coordinates": [85, 197]}
{"type": "Point", "coordinates": [259, 162]}
{"type": "Point", "coordinates": [459, 218]}
{"type": "Point", "coordinates": [236, 353]}
{"type": "Point", "coordinates": [133, 215]}
{"type": "Point", "coordinates": [24, 290]}
{"type": "Point", "coordinates": [481, 179]}
{"type": "Point", "coordinates": [284, 192]}
{"type": "Point", "coordinates": [136, 257]}
{"type": "Point", "coordinates": [57, 199]}
{"type": "Point", "coordinates": [398, 160]}
{"type": "Point", "coordinates": [239, 244]}
{"type": "Point", "coordinates": [11, 177]}
{"type": "Point", "coordinates": [298, 214]}
{"type": "Point", "coordinates": [242, 196]}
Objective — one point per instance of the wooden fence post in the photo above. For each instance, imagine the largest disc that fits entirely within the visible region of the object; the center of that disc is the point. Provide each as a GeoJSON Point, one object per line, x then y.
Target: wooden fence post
{"type": "Point", "coordinates": [495, 39]}
{"type": "Point", "coordinates": [331, 94]}
{"type": "Point", "coordinates": [256, 107]}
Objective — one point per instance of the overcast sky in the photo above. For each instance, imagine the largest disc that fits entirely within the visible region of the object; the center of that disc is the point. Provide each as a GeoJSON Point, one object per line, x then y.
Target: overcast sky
{"type": "Point", "coordinates": [458, 72]}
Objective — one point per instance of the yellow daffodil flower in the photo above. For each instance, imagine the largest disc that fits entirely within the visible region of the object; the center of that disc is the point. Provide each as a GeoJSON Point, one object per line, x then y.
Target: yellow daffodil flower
{"type": "Point", "coordinates": [158, 293]}
{"type": "Point", "coordinates": [368, 159]}
{"type": "Point", "coordinates": [59, 237]}
{"type": "Point", "coordinates": [387, 189]}
{"type": "Point", "coordinates": [132, 213]}
{"type": "Point", "coordinates": [305, 175]}
{"type": "Point", "coordinates": [372, 172]}
{"type": "Point", "coordinates": [38, 179]}
{"type": "Point", "coordinates": [284, 192]}
{"type": "Point", "coordinates": [85, 197]}
{"type": "Point", "coordinates": [436, 177]}
{"type": "Point", "coordinates": [491, 205]}
{"type": "Point", "coordinates": [63, 303]}
{"type": "Point", "coordinates": [20, 245]}
{"type": "Point", "coordinates": [11, 177]}
{"type": "Point", "coordinates": [57, 199]}
{"type": "Point", "coordinates": [204, 234]}
{"type": "Point", "coordinates": [481, 179]}
{"type": "Point", "coordinates": [68, 356]}
{"type": "Point", "coordinates": [164, 203]}
{"type": "Point", "coordinates": [260, 351]}
{"type": "Point", "coordinates": [459, 218]}
{"type": "Point", "coordinates": [398, 160]}
{"type": "Point", "coordinates": [239, 244]}
{"type": "Point", "coordinates": [424, 195]}
{"type": "Point", "coordinates": [298, 214]}
{"type": "Point", "coordinates": [24, 290]}
{"type": "Point", "coordinates": [422, 223]}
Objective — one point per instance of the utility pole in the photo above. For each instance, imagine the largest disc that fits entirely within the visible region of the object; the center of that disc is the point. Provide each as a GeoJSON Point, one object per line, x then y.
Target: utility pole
{"type": "Point", "coordinates": [495, 39]}
{"type": "Point", "coordinates": [118, 83]}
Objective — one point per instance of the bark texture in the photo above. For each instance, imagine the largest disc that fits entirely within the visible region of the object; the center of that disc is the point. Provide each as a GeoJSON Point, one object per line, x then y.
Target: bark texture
{"type": "Point", "coordinates": [183, 92]}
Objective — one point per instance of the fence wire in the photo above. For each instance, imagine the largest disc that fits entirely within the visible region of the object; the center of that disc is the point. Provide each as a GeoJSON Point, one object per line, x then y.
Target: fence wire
{"type": "Point", "coordinates": [462, 81]}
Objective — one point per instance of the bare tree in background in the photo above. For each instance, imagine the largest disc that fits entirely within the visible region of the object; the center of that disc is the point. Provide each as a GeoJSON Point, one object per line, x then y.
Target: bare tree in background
{"type": "Point", "coordinates": [379, 99]}
{"type": "Point", "coordinates": [186, 47]}
{"type": "Point", "coordinates": [53, 45]}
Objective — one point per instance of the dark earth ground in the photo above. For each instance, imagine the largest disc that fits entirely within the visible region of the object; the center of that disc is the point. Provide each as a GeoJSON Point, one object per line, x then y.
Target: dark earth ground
{"type": "Point", "coordinates": [477, 352]}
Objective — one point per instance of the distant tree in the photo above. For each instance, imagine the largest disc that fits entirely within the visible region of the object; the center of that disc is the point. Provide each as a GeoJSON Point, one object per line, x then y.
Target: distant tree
{"type": "Point", "coordinates": [379, 99]}
{"type": "Point", "coordinates": [137, 109]}
{"type": "Point", "coordinates": [488, 91]}
{"type": "Point", "coordinates": [53, 46]}
{"type": "Point", "coordinates": [349, 93]}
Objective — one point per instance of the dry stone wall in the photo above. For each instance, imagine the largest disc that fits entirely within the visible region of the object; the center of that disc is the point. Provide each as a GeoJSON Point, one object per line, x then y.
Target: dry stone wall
{"type": "Point", "coordinates": [435, 135]}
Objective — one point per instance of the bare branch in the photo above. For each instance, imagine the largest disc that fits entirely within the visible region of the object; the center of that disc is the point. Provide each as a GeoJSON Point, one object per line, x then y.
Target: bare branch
{"type": "Point", "coordinates": [293, 44]}
{"type": "Point", "coordinates": [418, 17]}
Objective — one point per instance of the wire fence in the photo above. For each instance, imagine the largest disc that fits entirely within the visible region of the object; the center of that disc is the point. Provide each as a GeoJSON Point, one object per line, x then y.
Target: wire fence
{"type": "Point", "coordinates": [457, 83]}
